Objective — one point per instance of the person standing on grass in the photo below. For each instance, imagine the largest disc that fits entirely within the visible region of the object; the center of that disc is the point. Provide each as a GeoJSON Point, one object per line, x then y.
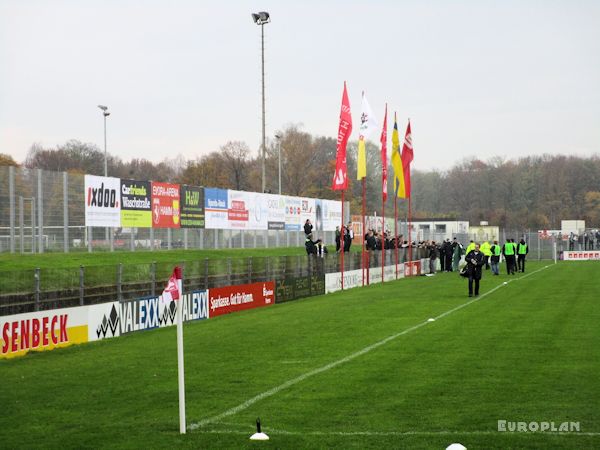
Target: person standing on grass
{"type": "Point", "coordinates": [486, 250]}
{"type": "Point", "coordinates": [508, 250]}
{"type": "Point", "coordinates": [338, 239]}
{"type": "Point", "coordinates": [433, 254]}
{"type": "Point", "coordinates": [474, 264]}
{"type": "Point", "coordinates": [457, 252]}
{"type": "Point", "coordinates": [495, 258]}
{"type": "Point", "coordinates": [522, 251]}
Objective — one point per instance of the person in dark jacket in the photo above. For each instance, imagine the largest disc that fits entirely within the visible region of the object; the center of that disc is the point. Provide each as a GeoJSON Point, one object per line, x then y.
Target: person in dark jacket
{"type": "Point", "coordinates": [449, 252]}
{"type": "Point", "coordinates": [338, 239]}
{"type": "Point", "coordinates": [307, 227]}
{"type": "Point", "coordinates": [433, 254]}
{"type": "Point", "coordinates": [310, 246]}
{"type": "Point", "coordinates": [442, 253]}
{"type": "Point", "coordinates": [475, 262]}
{"type": "Point", "coordinates": [348, 236]}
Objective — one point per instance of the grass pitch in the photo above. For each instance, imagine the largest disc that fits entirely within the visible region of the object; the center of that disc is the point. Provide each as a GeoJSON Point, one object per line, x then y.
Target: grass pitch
{"type": "Point", "coordinates": [356, 369]}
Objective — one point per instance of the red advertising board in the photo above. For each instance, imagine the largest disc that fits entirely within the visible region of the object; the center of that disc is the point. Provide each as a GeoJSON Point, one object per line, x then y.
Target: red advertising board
{"type": "Point", "coordinates": [412, 268]}
{"type": "Point", "coordinates": [230, 299]}
{"type": "Point", "coordinates": [165, 205]}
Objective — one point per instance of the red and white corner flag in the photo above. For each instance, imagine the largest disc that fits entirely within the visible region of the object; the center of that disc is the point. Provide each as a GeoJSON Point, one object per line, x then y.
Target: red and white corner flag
{"type": "Point", "coordinates": [340, 178]}
{"type": "Point", "coordinates": [174, 291]}
{"type": "Point", "coordinates": [384, 158]}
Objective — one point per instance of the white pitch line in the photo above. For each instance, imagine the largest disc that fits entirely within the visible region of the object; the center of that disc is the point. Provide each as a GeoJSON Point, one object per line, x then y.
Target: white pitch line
{"type": "Point", "coordinates": [325, 368]}
{"type": "Point", "coordinates": [404, 433]}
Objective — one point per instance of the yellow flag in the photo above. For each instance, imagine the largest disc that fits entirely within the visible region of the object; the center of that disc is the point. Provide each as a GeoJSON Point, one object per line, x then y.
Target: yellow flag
{"type": "Point", "coordinates": [368, 124]}
{"type": "Point", "coordinates": [399, 185]}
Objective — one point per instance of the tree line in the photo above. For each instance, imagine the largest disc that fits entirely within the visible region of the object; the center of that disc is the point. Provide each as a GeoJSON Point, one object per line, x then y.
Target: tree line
{"type": "Point", "coordinates": [532, 192]}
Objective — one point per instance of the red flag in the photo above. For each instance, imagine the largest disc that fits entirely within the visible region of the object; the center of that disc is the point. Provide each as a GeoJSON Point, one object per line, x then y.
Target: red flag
{"type": "Point", "coordinates": [407, 157]}
{"type": "Point", "coordinates": [340, 178]}
{"type": "Point", "coordinates": [384, 163]}
{"type": "Point", "coordinates": [172, 291]}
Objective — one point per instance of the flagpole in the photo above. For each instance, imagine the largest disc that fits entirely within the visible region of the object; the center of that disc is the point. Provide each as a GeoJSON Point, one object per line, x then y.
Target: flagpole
{"type": "Point", "coordinates": [396, 230]}
{"type": "Point", "coordinates": [342, 237]}
{"type": "Point", "coordinates": [364, 201]}
{"type": "Point", "coordinates": [180, 369]}
{"type": "Point", "coordinates": [382, 235]}
{"type": "Point", "coordinates": [409, 235]}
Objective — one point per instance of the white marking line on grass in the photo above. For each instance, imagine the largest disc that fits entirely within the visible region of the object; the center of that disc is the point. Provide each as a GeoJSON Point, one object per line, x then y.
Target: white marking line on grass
{"type": "Point", "coordinates": [325, 368]}
{"type": "Point", "coordinates": [402, 433]}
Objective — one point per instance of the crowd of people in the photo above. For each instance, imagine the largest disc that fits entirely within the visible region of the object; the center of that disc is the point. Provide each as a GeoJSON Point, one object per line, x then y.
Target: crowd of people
{"type": "Point", "coordinates": [478, 257]}
{"type": "Point", "coordinates": [588, 240]}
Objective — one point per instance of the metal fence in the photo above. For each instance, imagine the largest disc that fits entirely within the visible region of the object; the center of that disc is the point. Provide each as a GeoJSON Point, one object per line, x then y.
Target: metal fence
{"type": "Point", "coordinates": [41, 289]}
{"type": "Point", "coordinates": [44, 211]}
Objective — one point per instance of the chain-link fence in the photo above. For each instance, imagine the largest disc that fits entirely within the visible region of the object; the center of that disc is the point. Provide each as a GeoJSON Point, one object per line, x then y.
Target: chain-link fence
{"type": "Point", "coordinates": [44, 211]}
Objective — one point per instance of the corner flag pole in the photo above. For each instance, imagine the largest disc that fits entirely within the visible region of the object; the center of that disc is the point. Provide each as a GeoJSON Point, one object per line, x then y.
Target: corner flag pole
{"type": "Point", "coordinates": [180, 369]}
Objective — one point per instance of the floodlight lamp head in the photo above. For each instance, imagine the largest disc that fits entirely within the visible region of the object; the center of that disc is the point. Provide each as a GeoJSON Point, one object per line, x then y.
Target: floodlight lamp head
{"type": "Point", "coordinates": [261, 17]}
{"type": "Point", "coordinates": [102, 107]}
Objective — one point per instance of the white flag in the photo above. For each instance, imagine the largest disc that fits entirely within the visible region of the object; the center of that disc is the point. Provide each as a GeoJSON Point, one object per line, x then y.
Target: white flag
{"type": "Point", "coordinates": [368, 122]}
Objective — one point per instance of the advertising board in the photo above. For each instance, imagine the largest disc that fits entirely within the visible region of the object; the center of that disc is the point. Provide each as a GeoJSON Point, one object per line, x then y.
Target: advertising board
{"type": "Point", "coordinates": [247, 210]}
{"type": "Point", "coordinates": [275, 212]}
{"type": "Point", "coordinates": [412, 268]}
{"type": "Point", "coordinates": [42, 330]}
{"type": "Point", "coordinates": [192, 206]}
{"type": "Point", "coordinates": [136, 207]}
{"type": "Point", "coordinates": [230, 299]}
{"type": "Point", "coordinates": [165, 205]}
{"type": "Point", "coordinates": [216, 206]}
{"type": "Point", "coordinates": [292, 288]}
{"type": "Point", "coordinates": [328, 215]}
{"type": "Point", "coordinates": [102, 201]}
{"type": "Point", "coordinates": [293, 209]}
{"type": "Point", "coordinates": [333, 281]}
{"type": "Point", "coordinates": [108, 320]}
{"type": "Point", "coordinates": [583, 255]}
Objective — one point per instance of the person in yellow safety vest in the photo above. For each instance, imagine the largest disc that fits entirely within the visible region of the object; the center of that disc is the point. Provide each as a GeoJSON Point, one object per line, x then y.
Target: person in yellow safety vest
{"type": "Point", "coordinates": [522, 250]}
{"type": "Point", "coordinates": [495, 258]}
{"type": "Point", "coordinates": [485, 249]}
{"type": "Point", "coordinates": [470, 247]}
{"type": "Point", "coordinates": [508, 250]}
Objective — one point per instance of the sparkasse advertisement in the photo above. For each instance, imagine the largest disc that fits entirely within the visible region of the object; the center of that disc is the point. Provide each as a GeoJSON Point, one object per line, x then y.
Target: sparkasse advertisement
{"type": "Point", "coordinates": [230, 299]}
{"type": "Point", "coordinates": [102, 201]}
{"type": "Point", "coordinates": [136, 208]}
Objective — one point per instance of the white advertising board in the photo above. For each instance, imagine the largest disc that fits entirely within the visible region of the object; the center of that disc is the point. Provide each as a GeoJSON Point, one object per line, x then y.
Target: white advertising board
{"type": "Point", "coordinates": [583, 255]}
{"type": "Point", "coordinates": [216, 206]}
{"type": "Point", "coordinates": [247, 210]}
{"type": "Point", "coordinates": [102, 201]}
{"type": "Point", "coordinates": [328, 215]}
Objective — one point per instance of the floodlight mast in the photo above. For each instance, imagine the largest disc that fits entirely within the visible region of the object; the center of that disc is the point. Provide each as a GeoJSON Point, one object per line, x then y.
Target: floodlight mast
{"type": "Point", "coordinates": [261, 18]}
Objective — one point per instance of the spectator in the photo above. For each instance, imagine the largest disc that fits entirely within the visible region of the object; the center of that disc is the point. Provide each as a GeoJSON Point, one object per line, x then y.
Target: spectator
{"type": "Point", "coordinates": [307, 227]}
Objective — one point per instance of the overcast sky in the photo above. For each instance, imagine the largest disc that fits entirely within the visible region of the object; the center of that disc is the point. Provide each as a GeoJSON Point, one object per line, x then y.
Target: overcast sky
{"type": "Point", "coordinates": [477, 78]}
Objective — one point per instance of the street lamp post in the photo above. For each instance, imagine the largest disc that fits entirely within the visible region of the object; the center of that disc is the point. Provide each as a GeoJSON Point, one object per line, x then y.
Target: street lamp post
{"type": "Point", "coordinates": [278, 137]}
{"type": "Point", "coordinates": [261, 19]}
{"type": "Point", "coordinates": [105, 113]}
